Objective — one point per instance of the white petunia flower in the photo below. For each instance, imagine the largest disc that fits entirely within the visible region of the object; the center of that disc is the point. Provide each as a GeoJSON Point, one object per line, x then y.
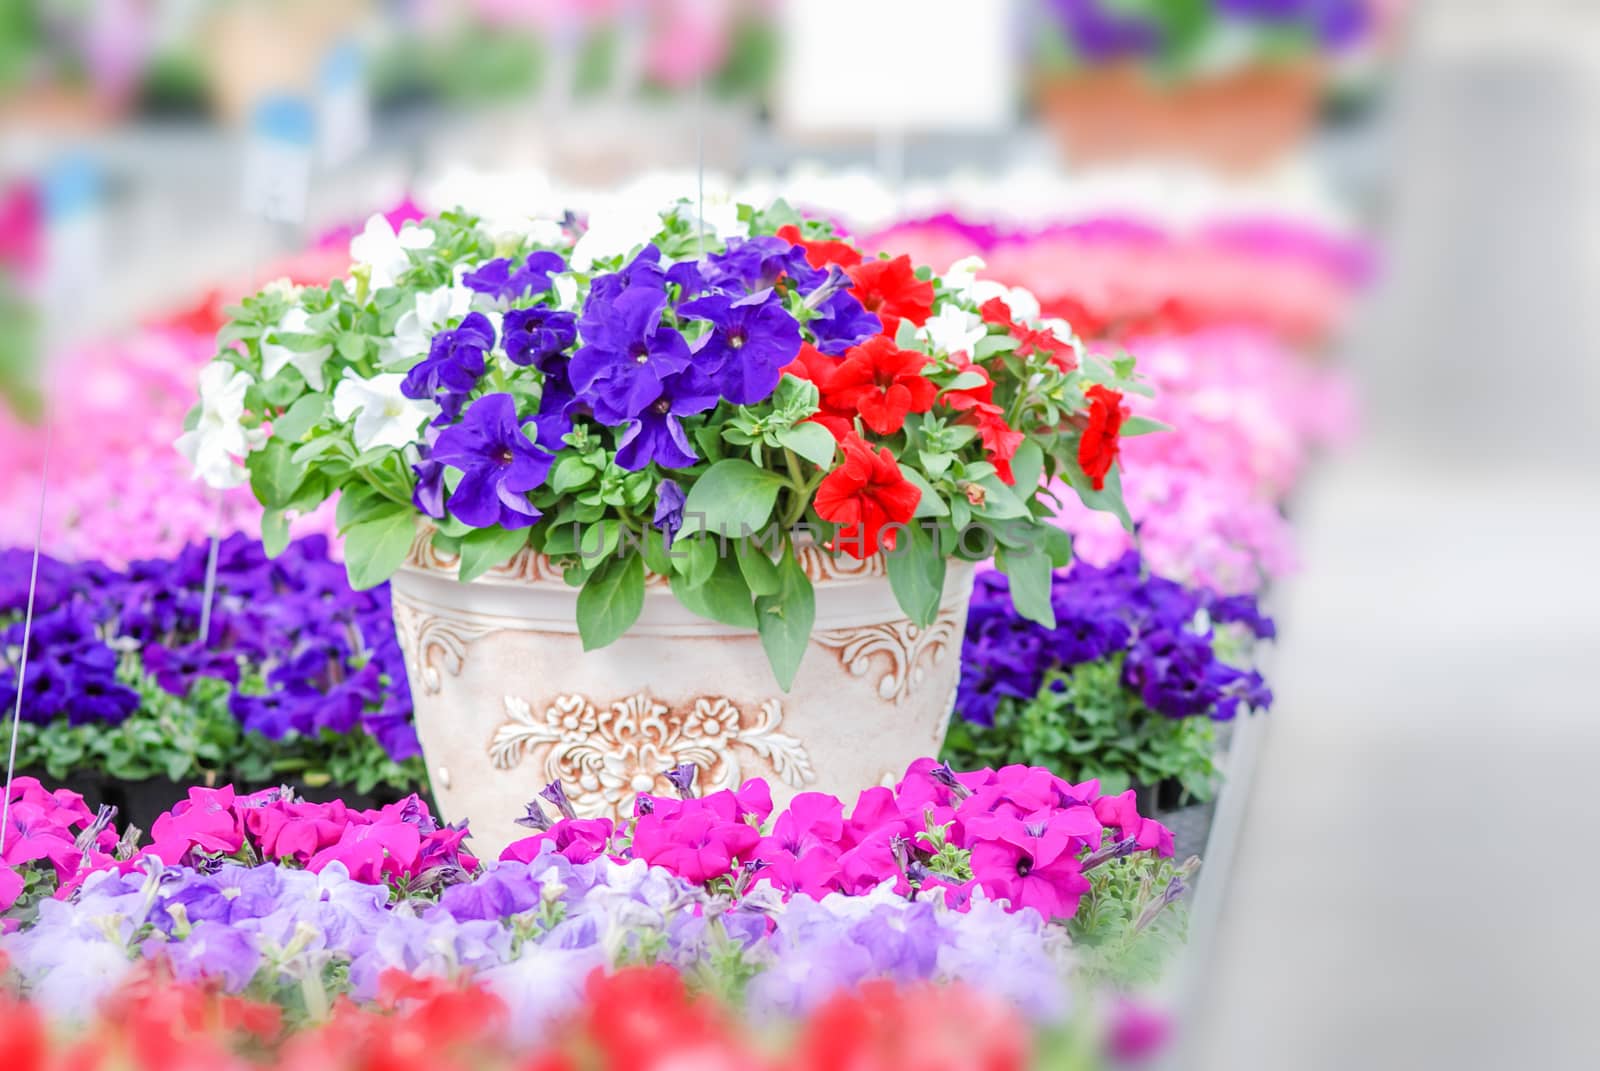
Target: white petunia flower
{"type": "Point", "coordinates": [953, 330]}
{"type": "Point", "coordinates": [384, 416]}
{"type": "Point", "coordinates": [219, 438]}
{"type": "Point", "coordinates": [384, 251]}
{"type": "Point", "coordinates": [617, 225]}
{"type": "Point", "coordinates": [565, 285]}
{"type": "Point", "coordinates": [275, 355]}
{"type": "Point", "coordinates": [962, 274]}
{"type": "Point", "coordinates": [430, 312]}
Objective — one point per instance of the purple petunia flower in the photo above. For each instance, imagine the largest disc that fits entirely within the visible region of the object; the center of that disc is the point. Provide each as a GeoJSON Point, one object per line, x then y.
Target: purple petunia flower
{"type": "Point", "coordinates": [500, 280]}
{"type": "Point", "coordinates": [751, 339]}
{"type": "Point", "coordinates": [669, 509]}
{"type": "Point", "coordinates": [454, 364]}
{"type": "Point", "coordinates": [657, 433]}
{"type": "Point", "coordinates": [643, 272]}
{"type": "Point", "coordinates": [498, 462]}
{"type": "Point", "coordinates": [627, 354]}
{"type": "Point", "coordinates": [538, 336]}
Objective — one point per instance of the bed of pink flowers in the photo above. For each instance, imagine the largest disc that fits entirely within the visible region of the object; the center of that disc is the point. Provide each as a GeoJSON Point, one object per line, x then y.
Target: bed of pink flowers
{"type": "Point", "coordinates": [1115, 276]}
{"type": "Point", "coordinates": [1019, 834]}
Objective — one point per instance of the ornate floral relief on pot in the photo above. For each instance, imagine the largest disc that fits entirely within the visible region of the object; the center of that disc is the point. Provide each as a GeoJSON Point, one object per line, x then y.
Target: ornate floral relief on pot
{"type": "Point", "coordinates": [605, 754]}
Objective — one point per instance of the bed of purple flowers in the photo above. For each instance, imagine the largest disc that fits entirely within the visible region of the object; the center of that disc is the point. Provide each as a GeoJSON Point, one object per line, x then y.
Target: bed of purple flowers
{"type": "Point", "coordinates": [300, 675]}
{"type": "Point", "coordinates": [1124, 687]}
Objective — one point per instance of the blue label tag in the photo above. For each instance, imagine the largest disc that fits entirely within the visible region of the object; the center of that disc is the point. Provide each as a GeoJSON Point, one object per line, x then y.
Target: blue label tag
{"type": "Point", "coordinates": [277, 159]}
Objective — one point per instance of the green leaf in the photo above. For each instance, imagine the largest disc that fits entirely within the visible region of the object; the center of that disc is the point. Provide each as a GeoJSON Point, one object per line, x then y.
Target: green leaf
{"type": "Point", "coordinates": [655, 552]}
{"type": "Point", "coordinates": [570, 472]}
{"type": "Point", "coordinates": [999, 501]}
{"type": "Point", "coordinates": [785, 619]}
{"type": "Point", "coordinates": [484, 548]}
{"type": "Point", "coordinates": [374, 549]}
{"type": "Point", "coordinates": [1057, 544]}
{"type": "Point", "coordinates": [274, 532]}
{"type": "Point", "coordinates": [758, 569]}
{"type": "Point", "coordinates": [1138, 425]}
{"type": "Point", "coordinates": [992, 344]}
{"type": "Point", "coordinates": [696, 557]}
{"type": "Point", "coordinates": [931, 504]}
{"type": "Point", "coordinates": [967, 381]}
{"type": "Point", "coordinates": [301, 417]}
{"type": "Point", "coordinates": [811, 441]}
{"type": "Point", "coordinates": [1108, 499]}
{"type": "Point", "coordinates": [274, 474]}
{"type": "Point", "coordinates": [1030, 574]}
{"type": "Point", "coordinates": [1027, 469]}
{"type": "Point", "coordinates": [732, 498]}
{"type": "Point", "coordinates": [610, 601]}
{"type": "Point", "coordinates": [916, 573]}
{"type": "Point", "coordinates": [723, 596]}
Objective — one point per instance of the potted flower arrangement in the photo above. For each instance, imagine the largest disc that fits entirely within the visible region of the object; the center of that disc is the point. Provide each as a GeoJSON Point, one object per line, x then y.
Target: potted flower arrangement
{"type": "Point", "coordinates": [1231, 82]}
{"type": "Point", "coordinates": [619, 469]}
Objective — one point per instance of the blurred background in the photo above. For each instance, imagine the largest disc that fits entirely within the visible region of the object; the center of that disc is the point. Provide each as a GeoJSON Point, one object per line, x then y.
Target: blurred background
{"type": "Point", "coordinates": [1418, 179]}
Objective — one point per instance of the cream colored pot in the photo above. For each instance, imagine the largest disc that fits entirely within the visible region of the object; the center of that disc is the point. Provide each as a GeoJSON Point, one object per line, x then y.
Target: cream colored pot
{"type": "Point", "coordinates": [507, 700]}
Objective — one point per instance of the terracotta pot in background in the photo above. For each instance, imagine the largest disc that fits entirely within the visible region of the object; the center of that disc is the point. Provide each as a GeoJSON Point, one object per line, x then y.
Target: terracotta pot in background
{"type": "Point", "coordinates": [254, 48]}
{"type": "Point", "coordinates": [1240, 121]}
{"type": "Point", "coordinates": [507, 700]}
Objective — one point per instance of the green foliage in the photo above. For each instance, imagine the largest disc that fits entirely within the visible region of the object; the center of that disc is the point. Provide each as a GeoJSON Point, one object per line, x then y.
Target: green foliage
{"type": "Point", "coordinates": [1085, 723]}
{"type": "Point", "coordinates": [1106, 931]}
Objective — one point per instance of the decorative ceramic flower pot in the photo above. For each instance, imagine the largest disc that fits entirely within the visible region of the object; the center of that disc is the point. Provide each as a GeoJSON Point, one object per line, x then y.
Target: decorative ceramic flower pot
{"type": "Point", "coordinates": [507, 700]}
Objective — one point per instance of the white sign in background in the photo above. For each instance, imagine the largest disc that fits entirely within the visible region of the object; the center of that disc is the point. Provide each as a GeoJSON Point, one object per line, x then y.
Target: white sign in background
{"type": "Point", "coordinates": [883, 66]}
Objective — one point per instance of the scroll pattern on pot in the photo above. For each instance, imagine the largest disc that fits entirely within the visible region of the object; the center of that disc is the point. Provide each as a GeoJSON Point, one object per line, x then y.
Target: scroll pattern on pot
{"type": "Point", "coordinates": [434, 645]}
{"type": "Point", "coordinates": [904, 651]}
{"type": "Point", "coordinates": [606, 754]}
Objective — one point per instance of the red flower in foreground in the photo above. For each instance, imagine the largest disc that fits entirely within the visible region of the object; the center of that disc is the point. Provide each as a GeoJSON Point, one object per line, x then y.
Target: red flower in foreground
{"type": "Point", "coordinates": [820, 252]}
{"type": "Point", "coordinates": [882, 382]}
{"type": "Point", "coordinates": [864, 495]}
{"type": "Point", "coordinates": [883, 1027]}
{"type": "Point", "coordinates": [891, 290]}
{"type": "Point", "coordinates": [645, 1019]}
{"type": "Point", "coordinates": [1097, 450]}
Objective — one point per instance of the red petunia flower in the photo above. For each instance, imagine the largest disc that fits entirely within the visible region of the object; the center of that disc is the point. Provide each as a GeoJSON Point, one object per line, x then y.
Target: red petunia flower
{"type": "Point", "coordinates": [1097, 450]}
{"type": "Point", "coordinates": [882, 382]}
{"type": "Point", "coordinates": [864, 495]}
{"type": "Point", "coordinates": [1000, 440]}
{"type": "Point", "coordinates": [820, 252]}
{"type": "Point", "coordinates": [1030, 342]}
{"type": "Point", "coordinates": [891, 290]}
{"type": "Point", "coordinates": [995, 311]}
